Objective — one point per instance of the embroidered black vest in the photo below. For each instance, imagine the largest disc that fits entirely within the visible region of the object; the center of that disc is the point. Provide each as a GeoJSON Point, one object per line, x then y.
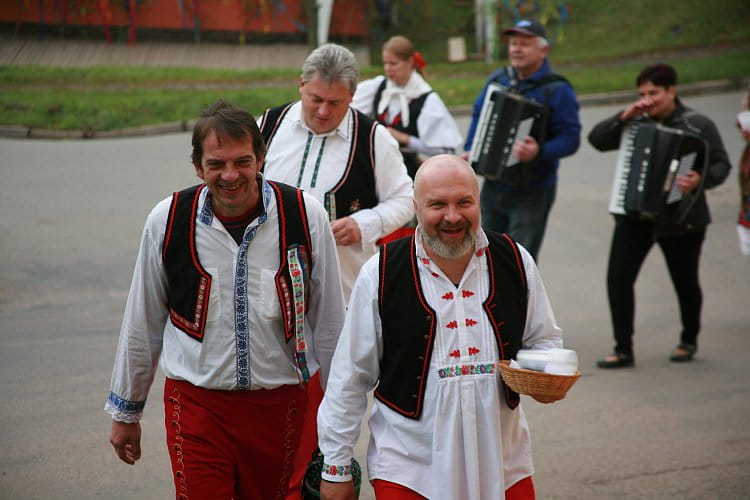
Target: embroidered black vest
{"type": "Point", "coordinates": [415, 108]}
{"type": "Point", "coordinates": [190, 284]}
{"type": "Point", "coordinates": [409, 322]}
{"type": "Point", "coordinates": [356, 188]}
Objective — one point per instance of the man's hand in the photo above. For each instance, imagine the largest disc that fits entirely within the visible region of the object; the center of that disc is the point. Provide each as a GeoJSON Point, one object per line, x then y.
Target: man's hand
{"type": "Point", "coordinates": [346, 232]}
{"type": "Point", "coordinates": [336, 491]}
{"type": "Point", "coordinates": [526, 150]}
{"type": "Point", "coordinates": [687, 183]}
{"type": "Point", "coordinates": [126, 438]}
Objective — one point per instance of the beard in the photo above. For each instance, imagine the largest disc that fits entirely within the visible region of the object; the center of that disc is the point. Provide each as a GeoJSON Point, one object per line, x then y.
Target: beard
{"type": "Point", "coordinates": [452, 249]}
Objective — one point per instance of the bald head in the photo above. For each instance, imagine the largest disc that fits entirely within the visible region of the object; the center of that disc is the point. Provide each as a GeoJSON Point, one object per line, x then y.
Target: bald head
{"type": "Point", "coordinates": [450, 169]}
{"type": "Point", "coordinates": [446, 200]}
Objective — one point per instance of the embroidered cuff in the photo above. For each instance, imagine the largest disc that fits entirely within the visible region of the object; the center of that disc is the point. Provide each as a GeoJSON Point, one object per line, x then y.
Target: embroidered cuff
{"type": "Point", "coordinates": [124, 410]}
{"type": "Point", "coordinates": [337, 473]}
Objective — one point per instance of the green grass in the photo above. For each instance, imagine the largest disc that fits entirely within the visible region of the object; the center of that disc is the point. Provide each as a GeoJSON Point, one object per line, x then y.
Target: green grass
{"type": "Point", "coordinates": [601, 49]}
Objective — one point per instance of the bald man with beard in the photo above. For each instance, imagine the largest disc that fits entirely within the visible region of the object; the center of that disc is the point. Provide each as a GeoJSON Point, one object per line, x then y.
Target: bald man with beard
{"type": "Point", "coordinates": [428, 320]}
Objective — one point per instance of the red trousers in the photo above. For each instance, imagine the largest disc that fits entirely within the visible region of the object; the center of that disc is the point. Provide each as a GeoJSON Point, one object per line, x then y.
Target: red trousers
{"type": "Point", "coordinates": [232, 444]}
{"type": "Point", "coordinates": [385, 490]}
{"type": "Point", "coordinates": [309, 437]}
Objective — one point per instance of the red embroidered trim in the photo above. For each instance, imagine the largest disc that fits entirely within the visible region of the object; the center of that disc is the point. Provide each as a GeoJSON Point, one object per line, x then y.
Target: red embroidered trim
{"type": "Point", "coordinates": [448, 296]}
{"type": "Point", "coordinates": [181, 483]}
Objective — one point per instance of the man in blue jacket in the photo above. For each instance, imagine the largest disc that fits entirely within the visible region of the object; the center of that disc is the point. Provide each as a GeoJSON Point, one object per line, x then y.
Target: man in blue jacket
{"type": "Point", "coordinates": [522, 211]}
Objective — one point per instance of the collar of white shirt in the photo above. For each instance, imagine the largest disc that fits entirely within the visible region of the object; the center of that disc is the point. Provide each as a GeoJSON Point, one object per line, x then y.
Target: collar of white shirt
{"type": "Point", "coordinates": [342, 130]}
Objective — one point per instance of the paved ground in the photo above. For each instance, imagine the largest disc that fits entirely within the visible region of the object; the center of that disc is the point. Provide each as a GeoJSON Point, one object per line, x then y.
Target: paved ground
{"type": "Point", "coordinates": [73, 212]}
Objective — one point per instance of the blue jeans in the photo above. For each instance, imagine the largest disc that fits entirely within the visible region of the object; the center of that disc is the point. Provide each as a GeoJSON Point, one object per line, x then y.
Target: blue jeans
{"type": "Point", "coordinates": [523, 215]}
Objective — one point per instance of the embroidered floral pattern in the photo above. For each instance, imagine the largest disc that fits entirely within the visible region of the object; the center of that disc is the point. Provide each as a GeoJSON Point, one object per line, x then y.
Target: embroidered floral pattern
{"type": "Point", "coordinates": [471, 369]}
{"type": "Point", "coordinates": [241, 328]}
{"type": "Point", "coordinates": [473, 351]}
{"type": "Point", "coordinates": [355, 206]}
{"type": "Point", "coordinates": [125, 406]}
{"type": "Point", "coordinates": [337, 470]}
{"type": "Point", "coordinates": [176, 446]}
{"type": "Point", "coordinates": [448, 296]}
{"type": "Point", "coordinates": [466, 293]}
{"type": "Point", "coordinates": [455, 354]}
{"type": "Point", "coordinates": [452, 325]}
{"type": "Point", "coordinates": [297, 271]}
{"type": "Point", "coordinates": [470, 322]}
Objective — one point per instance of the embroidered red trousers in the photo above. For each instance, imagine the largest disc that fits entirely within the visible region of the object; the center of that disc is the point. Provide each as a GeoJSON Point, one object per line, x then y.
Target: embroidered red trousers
{"type": "Point", "coordinates": [232, 444]}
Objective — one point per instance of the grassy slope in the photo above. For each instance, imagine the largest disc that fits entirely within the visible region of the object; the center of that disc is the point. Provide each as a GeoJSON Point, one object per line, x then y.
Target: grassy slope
{"type": "Point", "coordinates": [602, 47]}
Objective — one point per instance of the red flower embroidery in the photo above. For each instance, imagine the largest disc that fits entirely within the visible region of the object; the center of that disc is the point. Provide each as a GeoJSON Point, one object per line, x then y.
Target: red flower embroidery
{"type": "Point", "coordinates": [464, 370]}
{"type": "Point", "coordinates": [470, 322]}
{"type": "Point", "coordinates": [436, 275]}
{"type": "Point", "coordinates": [473, 350]}
{"type": "Point", "coordinates": [480, 252]}
{"type": "Point", "coordinates": [455, 354]}
{"type": "Point", "coordinates": [448, 296]}
{"type": "Point", "coordinates": [466, 293]}
{"type": "Point", "coordinates": [452, 324]}
{"type": "Point", "coordinates": [425, 261]}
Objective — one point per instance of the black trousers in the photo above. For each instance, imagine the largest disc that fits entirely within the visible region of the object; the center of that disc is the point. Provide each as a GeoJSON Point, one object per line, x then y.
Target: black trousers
{"type": "Point", "coordinates": [631, 242]}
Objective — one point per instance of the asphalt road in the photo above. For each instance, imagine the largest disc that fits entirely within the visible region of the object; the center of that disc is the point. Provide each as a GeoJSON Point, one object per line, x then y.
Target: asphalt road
{"type": "Point", "coordinates": [73, 213]}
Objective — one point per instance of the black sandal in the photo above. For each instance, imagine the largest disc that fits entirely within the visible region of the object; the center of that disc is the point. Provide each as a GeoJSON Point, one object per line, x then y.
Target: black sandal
{"type": "Point", "coordinates": [681, 357]}
{"type": "Point", "coordinates": [620, 361]}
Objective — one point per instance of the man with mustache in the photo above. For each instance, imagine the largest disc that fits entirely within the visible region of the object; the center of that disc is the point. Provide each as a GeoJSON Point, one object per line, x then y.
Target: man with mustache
{"type": "Point", "coordinates": [522, 211]}
{"type": "Point", "coordinates": [236, 296]}
{"type": "Point", "coordinates": [428, 319]}
{"type": "Point", "coordinates": [346, 160]}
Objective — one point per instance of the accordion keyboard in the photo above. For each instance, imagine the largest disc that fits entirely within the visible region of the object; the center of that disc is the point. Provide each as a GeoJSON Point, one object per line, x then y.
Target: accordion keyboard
{"type": "Point", "coordinates": [622, 171]}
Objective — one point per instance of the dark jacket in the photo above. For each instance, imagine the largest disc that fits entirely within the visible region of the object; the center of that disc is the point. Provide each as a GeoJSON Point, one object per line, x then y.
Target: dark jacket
{"type": "Point", "coordinates": [563, 123]}
{"type": "Point", "coordinates": [605, 136]}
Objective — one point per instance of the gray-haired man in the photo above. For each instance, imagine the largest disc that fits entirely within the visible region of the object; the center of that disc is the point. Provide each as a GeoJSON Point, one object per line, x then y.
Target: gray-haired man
{"type": "Point", "coordinates": [346, 160]}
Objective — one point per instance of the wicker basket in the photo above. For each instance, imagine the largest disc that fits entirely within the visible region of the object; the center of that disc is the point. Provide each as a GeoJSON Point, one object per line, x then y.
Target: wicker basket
{"type": "Point", "coordinates": [536, 384]}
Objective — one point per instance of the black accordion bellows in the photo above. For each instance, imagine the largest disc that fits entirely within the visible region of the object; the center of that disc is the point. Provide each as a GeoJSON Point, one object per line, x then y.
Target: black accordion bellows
{"type": "Point", "coordinates": [506, 118]}
{"type": "Point", "coordinates": [651, 158]}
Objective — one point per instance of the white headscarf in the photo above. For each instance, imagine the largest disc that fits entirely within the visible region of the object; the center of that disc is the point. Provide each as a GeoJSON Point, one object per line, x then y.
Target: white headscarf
{"type": "Point", "coordinates": [415, 87]}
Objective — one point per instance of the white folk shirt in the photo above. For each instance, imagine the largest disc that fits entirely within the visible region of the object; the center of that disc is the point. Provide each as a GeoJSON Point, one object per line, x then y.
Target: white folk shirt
{"type": "Point", "coordinates": [229, 357]}
{"type": "Point", "coordinates": [438, 131]}
{"type": "Point", "coordinates": [467, 443]}
{"type": "Point", "coordinates": [316, 163]}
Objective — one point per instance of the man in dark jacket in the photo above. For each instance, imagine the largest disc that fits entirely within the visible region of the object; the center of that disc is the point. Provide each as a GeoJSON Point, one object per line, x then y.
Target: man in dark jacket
{"type": "Point", "coordinates": [680, 238]}
{"type": "Point", "coordinates": [522, 211]}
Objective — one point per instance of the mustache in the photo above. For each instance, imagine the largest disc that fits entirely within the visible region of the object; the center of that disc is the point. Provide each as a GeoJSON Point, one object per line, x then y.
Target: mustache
{"type": "Point", "coordinates": [445, 226]}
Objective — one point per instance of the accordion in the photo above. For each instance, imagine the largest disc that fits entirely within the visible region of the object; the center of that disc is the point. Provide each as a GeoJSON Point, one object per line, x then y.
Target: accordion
{"type": "Point", "coordinates": [651, 158]}
{"type": "Point", "coordinates": [506, 118]}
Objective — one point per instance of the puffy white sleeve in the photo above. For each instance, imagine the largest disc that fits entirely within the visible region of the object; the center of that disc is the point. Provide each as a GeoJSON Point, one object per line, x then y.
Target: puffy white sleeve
{"type": "Point", "coordinates": [438, 131]}
{"type": "Point", "coordinates": [364, 96]}
{"type": "Point", "coordinates": [142, 330]}
{"type": "Point", "coordinates": [354, 372]}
